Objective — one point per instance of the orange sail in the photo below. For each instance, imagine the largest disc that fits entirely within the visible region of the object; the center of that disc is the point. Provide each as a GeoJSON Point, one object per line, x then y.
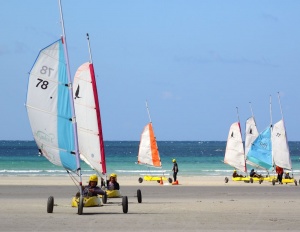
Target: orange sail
{"type": "Point", "coordinates": [148, 150]}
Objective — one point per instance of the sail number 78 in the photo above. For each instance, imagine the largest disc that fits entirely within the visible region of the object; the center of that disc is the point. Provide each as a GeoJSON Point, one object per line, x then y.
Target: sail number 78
{"type": "Point", "coordinates": [42, 83]}
{"type": "Point", "coordinates": [44, 70]}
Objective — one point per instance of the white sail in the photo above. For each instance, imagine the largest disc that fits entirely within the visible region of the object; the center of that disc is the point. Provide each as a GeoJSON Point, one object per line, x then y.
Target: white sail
{"type": "Point", "coordinates": [49, 107]}
{"type": "Point", "coordinates": [281, 153]}
{"type": "Point", "coordinates": [234, 154]}
{"type": "Point", "coordinates": [251, 134]}
{"type": "Point", "coordinates": [90, 139]}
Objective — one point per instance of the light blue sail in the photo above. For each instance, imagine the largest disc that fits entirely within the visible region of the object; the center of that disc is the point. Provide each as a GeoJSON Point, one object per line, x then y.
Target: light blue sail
{"type": "Point", "coordinates": [49, 107]}
{"type": "Point", "coordinates": [260, 153]}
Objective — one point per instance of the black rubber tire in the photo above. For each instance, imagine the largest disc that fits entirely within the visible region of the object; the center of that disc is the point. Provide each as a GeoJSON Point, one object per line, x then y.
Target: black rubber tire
{"type": "Point", "coordinates": [140, 180]}
{"type": "Point", "coordinates": [295, 182]}
{"type": "Point", "coordinates": [273, 182]}
{"type": "Point", "coordinates": [125, 204]}
{"type": "Point", "coordinates": [104, 198]}
{"type": "Point", "coordinates": [50, 204]}
{"type": "Point", "coordinates": [260, 181]}
{"type": "Point", "coordinates": [251, 180]}
{"type": "Point", "coordinates": [158, 181]}
{"type": "Point", "coordinates": [226, 179]}
{"type": "Point", "coordinates": [170, 180]}
{"type": "Point", "coordinates": [80, 205]}
{"type": "Point", "coordinates": [139, 196]}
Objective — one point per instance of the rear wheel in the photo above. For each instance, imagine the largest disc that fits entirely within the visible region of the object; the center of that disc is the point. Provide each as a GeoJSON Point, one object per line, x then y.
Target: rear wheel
{"type": "Point", "coordinates": [170, 180]}
{"type": "Point", "coordinates": [140, 180]}
{"type": "Point", "coordinates": [125, 204]}
{"type": "Point", "coordinates": [260, 181]}
{"type": "Point", "coordinates": [139, 196]}
{"type": "Point", "coordinates": [80, 206]}
{"type": "Point", "coordinates": [50, 204]}
{"type": "Point", "coordinates": [273, 182]}
{"type": "Point", "coordinates": [104, 198]}
{"type": "Point", "coordinates": [226, 179]}
{"type": "Point", "coordinates": [251, 180]}
{"type": "Point", "coordinates": [295, 182]}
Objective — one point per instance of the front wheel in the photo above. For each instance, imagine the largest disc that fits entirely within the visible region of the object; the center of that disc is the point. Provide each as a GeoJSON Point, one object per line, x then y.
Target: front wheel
{"type": "Point", "coordinates": [80, 206]}
{"type": "Point", "coordinates": [104, 198]}
{"type": "Point", "coordinates": [139, 196]}
{"type": "Point", "coordinates": [273, 182]}
{"type": "Point", "coordinates": [140, 180]}
{"type": "Point", "coordinates": [125, 204]}
{"type": "Point", "coordinates": [251, 180]}
{"type": "Point", "coordinates": [295, 182]}
{"type": "Point", "coordinates": [226, 179]}
{"type": "Point", "coordinates": [170, 180]}
{"type": "Point", "coordinates": [50, 204]}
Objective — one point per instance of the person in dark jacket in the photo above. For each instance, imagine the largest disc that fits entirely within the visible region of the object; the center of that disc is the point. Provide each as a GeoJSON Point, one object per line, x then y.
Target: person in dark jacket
{"type": "Point", "coordinates": [92, 189]}
{"type": "Point", "coordinates": [175, 169]}
{"type": "Point", "coordinates": [254, 174]}
{"type": "Point", "coordinates": [287, 176]}
{"type": "Point", "coordinates": [112, 183]}
{"type": "Point", "coordinates": [235, 174]}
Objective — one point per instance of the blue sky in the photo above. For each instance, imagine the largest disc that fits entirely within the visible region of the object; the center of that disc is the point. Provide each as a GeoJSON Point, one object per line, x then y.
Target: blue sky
{"type": "Point", "coordinates": [194, 61]}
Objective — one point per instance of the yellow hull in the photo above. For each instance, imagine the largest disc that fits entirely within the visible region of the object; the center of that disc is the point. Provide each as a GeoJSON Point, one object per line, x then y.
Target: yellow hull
{"type": "Point", "coordinates": [87, 201]}
{"type": "Point", "coordinates": [289, 181]}
{"type": "Point", "coordinates": [154, 178]}
{"type": "Point", "coordinates": [269, 178]}
{"type": "Point", "coordinates": [113, 193]}
{"type": "Point", "coordinates": [286, 181]}
{"type": "Point", "coordinates": [241, 178]}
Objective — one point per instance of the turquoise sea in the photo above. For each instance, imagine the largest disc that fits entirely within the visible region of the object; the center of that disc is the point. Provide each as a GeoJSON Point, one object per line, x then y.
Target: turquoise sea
{"type": "Point", "coordinates": [193, 157]}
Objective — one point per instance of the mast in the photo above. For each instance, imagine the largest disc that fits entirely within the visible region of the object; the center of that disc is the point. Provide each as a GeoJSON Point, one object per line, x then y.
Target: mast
{"type": "Point", "coordinates": [251, 109]}
{"type": "Point", "coordinates": [102, 151]}
{"type": "Point", "coordinates": [71, 96]}
{"type": "Point", "coordinates": [237, 112]}
{"type": "Point", "coordinates": [271, 124]}
{"type": "Point", "coordinates": [148, 112]}
{"type": "Point", "coordinates": [280, 105]}
{"type": "Point", "coordinates": [89, 45]}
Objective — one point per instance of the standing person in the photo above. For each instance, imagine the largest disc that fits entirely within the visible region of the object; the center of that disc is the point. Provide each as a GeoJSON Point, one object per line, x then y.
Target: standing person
{"type": "Point", "coordinates": [175, 169]}
{"type": "Point", "coordinates": [279, 171]}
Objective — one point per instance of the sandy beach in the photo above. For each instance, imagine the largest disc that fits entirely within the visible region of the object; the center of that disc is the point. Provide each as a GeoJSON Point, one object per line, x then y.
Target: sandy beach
{"type": "Point", "coordinates": [196, 204]}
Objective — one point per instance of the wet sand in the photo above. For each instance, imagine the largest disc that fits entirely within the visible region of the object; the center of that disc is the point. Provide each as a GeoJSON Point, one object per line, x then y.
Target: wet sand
{"type": "Point", "coordinates": [197, 204]}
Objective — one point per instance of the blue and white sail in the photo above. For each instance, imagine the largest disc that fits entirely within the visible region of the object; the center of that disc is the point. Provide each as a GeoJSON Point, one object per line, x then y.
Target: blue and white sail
{"type": "Point", "coordinates": [49, 107]}
{"type": "Point", "coordinates": [260, 153]}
